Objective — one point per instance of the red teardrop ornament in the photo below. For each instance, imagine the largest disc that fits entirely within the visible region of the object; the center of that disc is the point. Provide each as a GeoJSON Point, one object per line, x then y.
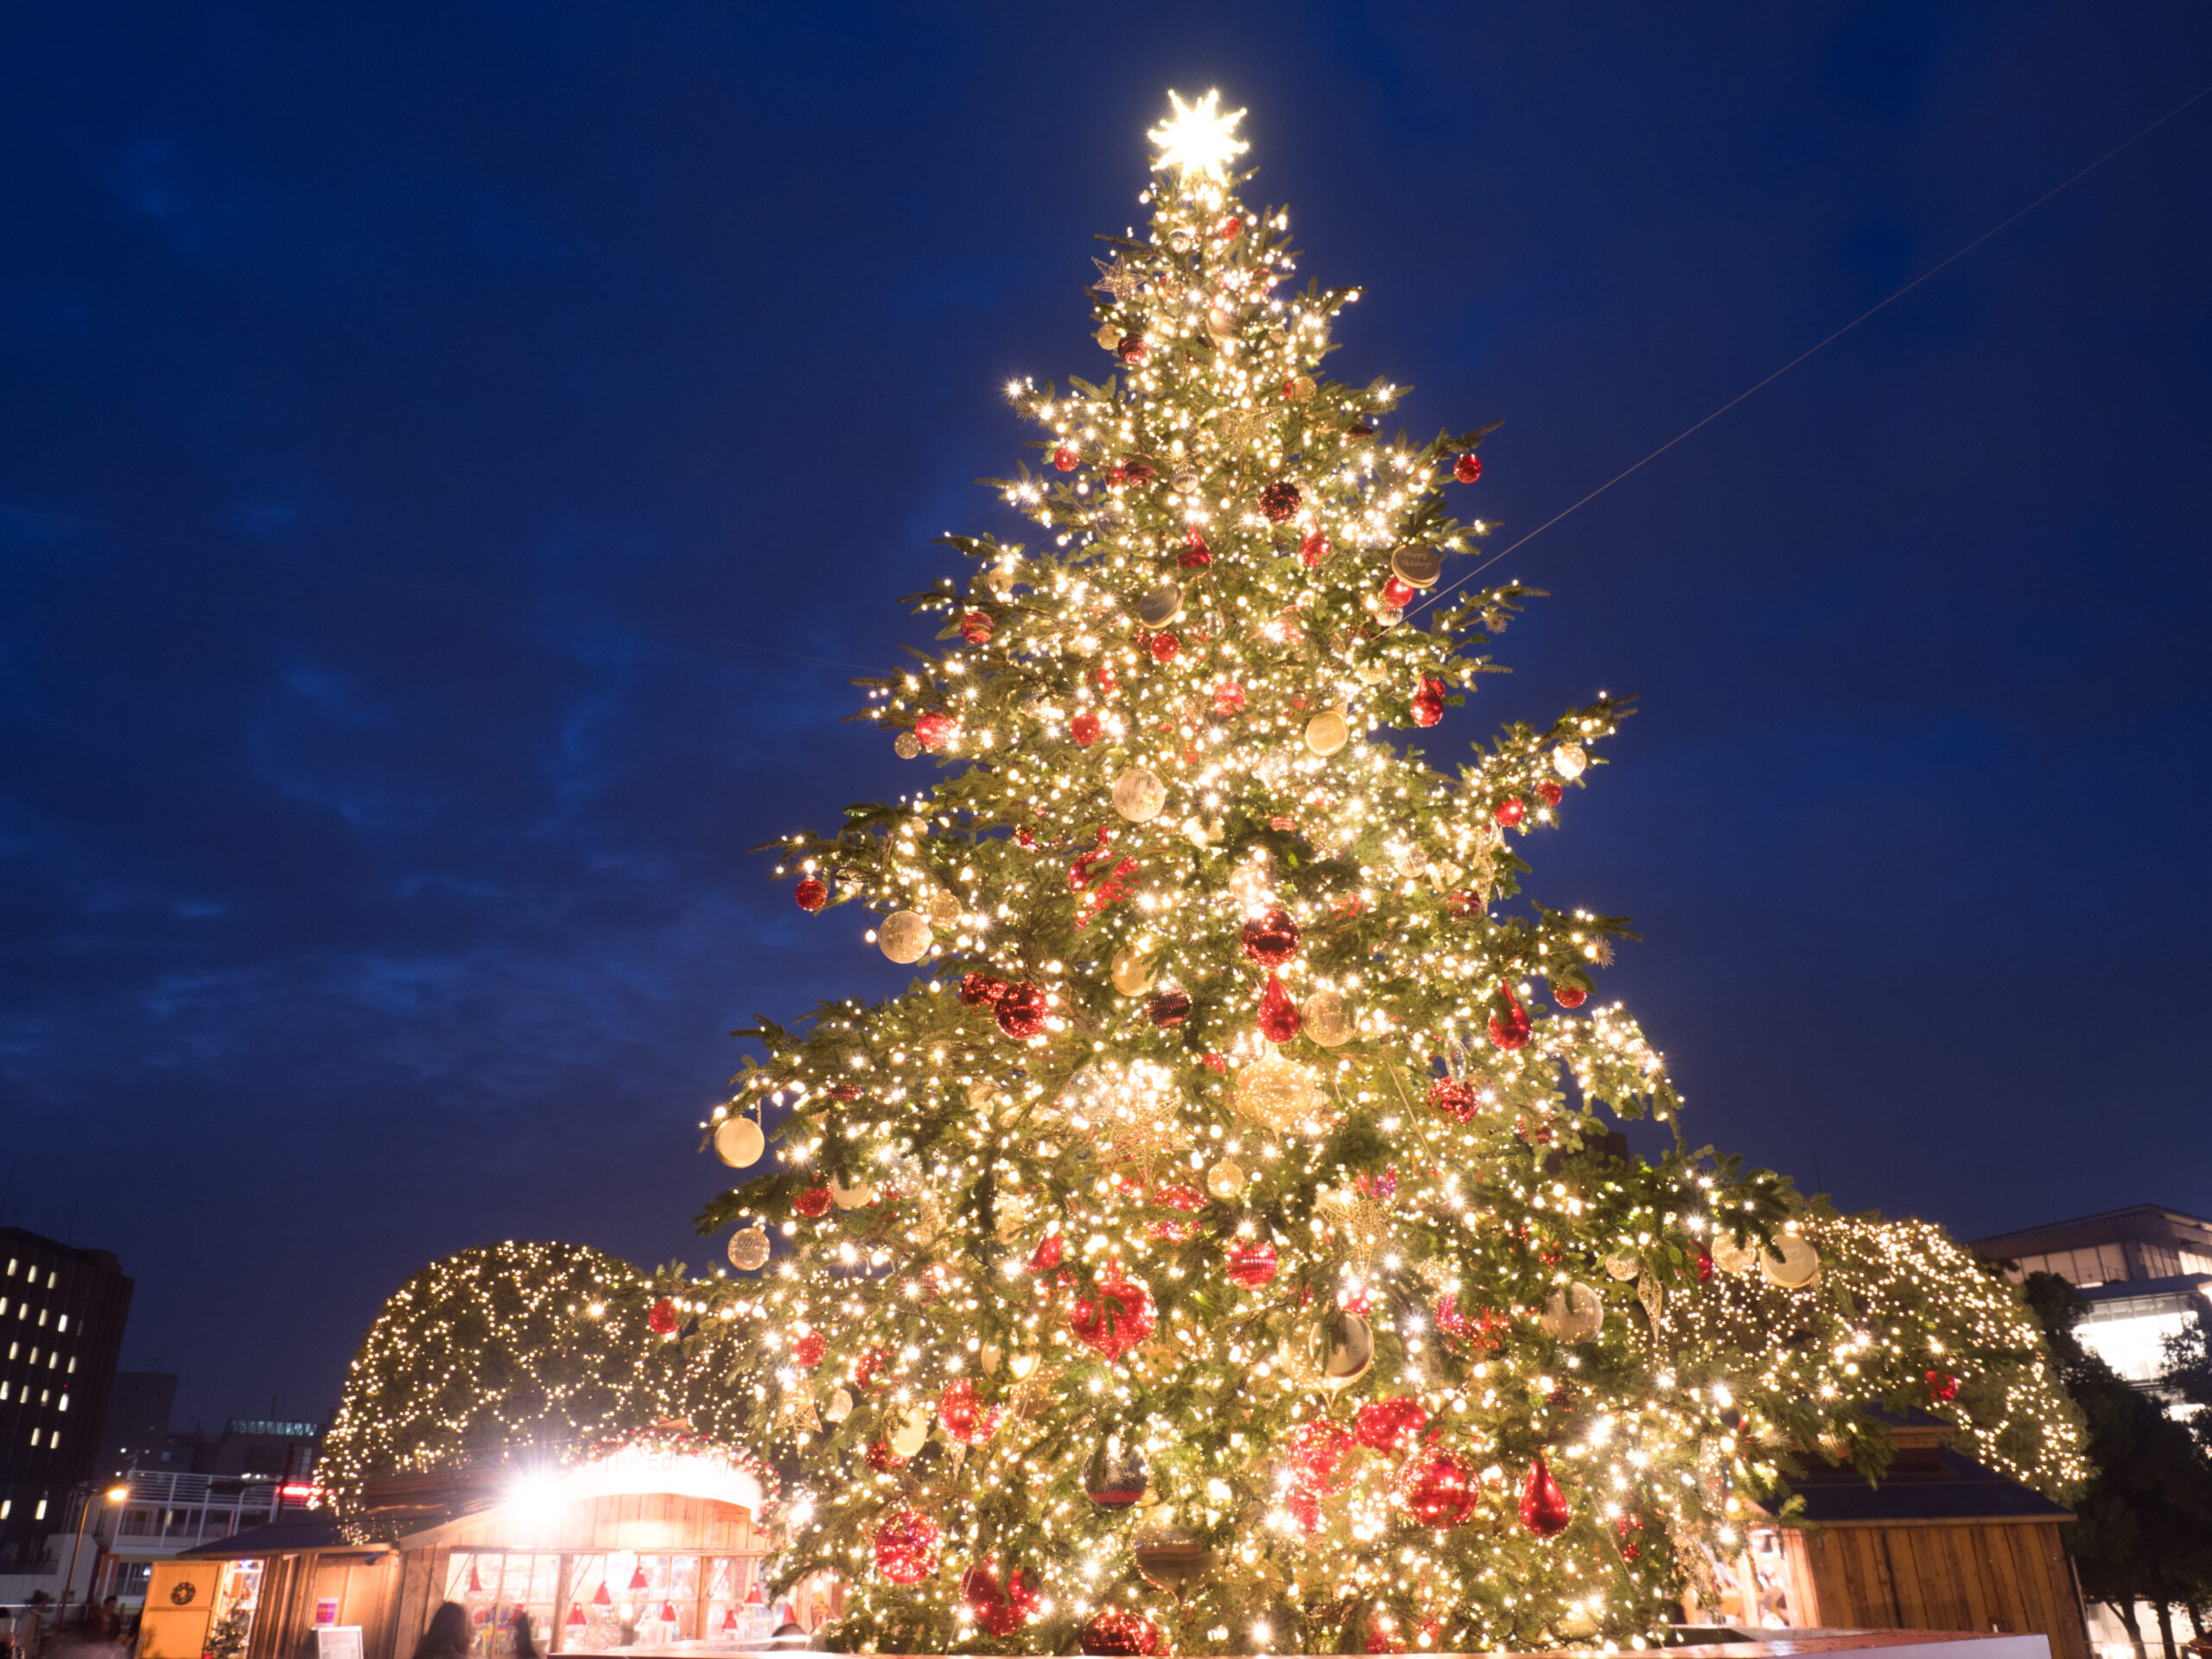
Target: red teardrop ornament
{"type": "Point", "coordinates": [1279, 1015]}
{"type": "Point", "coordinates": [1543, 1506]}
{"type": "Point", "coordinates": [1509, 1030]}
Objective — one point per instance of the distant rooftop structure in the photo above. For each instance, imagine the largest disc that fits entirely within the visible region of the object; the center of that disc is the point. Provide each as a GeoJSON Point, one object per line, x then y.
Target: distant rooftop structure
{"type": "Point", "coordinates": [2145, 1271]}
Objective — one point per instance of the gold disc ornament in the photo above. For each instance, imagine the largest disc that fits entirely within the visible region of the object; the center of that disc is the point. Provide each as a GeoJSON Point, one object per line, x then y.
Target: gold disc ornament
{"type": "Point", "coordinates": [748, 1249]}
{"type": "Point", "coordinates": [1328, 1018]}
{"type": "Point", "coordinates": [1326, 732]}
{"type": "Point", "coordinates": [739, 1142]}
{"type": "Point", "coordinates": [1341, 1349]}
{"type": "Point", "coordinates": [1791, 1263]}
{"type": "Point", "coordinates": [1417, 567]}
{"type": "Point", "coordinates": [1139, 795]}
{"type": "Point", "coordinates": [1161, 605]}
{"type": "Point", "coordinates": [1133, 973]}
{"type": "Point", "coordinates": [906, 746]}
{"type": "Point", "coordinates": [1278, 1093]}
{"type": "Point", "coordinates": [904, 936]}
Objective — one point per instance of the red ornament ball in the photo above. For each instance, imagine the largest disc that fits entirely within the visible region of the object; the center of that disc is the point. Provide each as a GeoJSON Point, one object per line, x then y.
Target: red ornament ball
{"type": "Point", "coordinates": [813, 1204]}
{"type": "Point", "coordinates": [1163, 647]}
{"type": "Point", "coordinates": [1046, 1255]}
{"type": "Point", "coordinates": [1942, 1386]}
{"type": "Point", "coordinates": [1228, 699]}
{"type": "Point", "coordinates": [1398, 594]}
{"type": "Point", "coordinates": [1021, 1011]}
{"type": "Point", "coordinates": [1569, 996]}
{"type": "Point", "coordinates": [976, 629]}
{"type": "Point", "coordinates": [661, 1316]}
{"type": "Point", "coordinates": [1136, 470]}
{"type": "Point", "coordinates": [967, 1420]}
{"type": "Point", "coordinates": [1704, 1264]}
{"type": "Point", "coordinates": [813, 893]}
{"type": "Point", "coordinates": [1115, 1318]}
{"type": "Point", "coordinates": [1168, 1008]}
{"type": "Point", "coordinates": [1065, 459]}
{"type": "Point", "coordinates": [1195, 554]}
{"type": "Point", "coordinates": [1314, 549]}
{"type": "Point", "coordinates": [1454, 1097]}
{"type": "Point", "coordinates": [1438, 1490]}
{"type": "Point", "coordinates": [809, 1350]}
{"type": "Point", "coordinates": [1251, 1267]}
{"type": "Point", "coordinates": [1359, 430]}
{"type": "Point", "coordinates": [1428, 702]}
{"type": "Point", "coordinates": [1131, 348]}
{"type": "Point", "coordinates": [1085, 730]}
{"type": "Point", "coordinates": [1000, 1612]}
{"type": "Point", "coordinates": [1318, 1451]}
{"type": "Point", "coordinates": [934, 731]}
{"type": "Point", "coordinates": [1389, 1425]}
{"type": "Point", "coordinates": [980, 987]}
{"type": "Point", "coordinates": [1509, 811]}
{"type": "Point", "coordinates": [1112, 1632]}
{"type": "Point", "coordinates": [1280, 502]}
{"type": "Point", "coordinates": [906, 1547]}
{"type": "Point", "coordinates": [1468, 468]}
{"type": "Point", "coordinates": [1543, 1506]}
{"type": "Point", "coordinates": [882, 1459]}
{"type": "Point", "coordinates": [1550, 793]}
{"type": "Point", "coordinates": [1271, 940]}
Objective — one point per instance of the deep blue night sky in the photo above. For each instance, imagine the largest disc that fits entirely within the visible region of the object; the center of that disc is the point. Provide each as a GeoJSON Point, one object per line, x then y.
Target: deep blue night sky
{"type": "Point", "coordinates": [408, 413]}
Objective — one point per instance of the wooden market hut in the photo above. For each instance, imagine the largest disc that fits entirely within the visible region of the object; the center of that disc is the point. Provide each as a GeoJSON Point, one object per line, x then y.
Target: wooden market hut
{"type": "Point", "coordinates": [1942, 1543]}
{"type": "Point", "coordinates": [639, 1549]}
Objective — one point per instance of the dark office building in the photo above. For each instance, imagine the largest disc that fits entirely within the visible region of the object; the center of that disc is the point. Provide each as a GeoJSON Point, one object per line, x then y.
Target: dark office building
{"type": "Point", "coordinates": [61, 1317]}
{"type": "Point", "coordinates": [137, 1432]}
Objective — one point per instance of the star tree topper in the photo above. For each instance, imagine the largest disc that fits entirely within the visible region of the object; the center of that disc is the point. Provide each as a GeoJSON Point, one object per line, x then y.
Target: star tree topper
{"type": "Point", "coordinates": [1198, 138]}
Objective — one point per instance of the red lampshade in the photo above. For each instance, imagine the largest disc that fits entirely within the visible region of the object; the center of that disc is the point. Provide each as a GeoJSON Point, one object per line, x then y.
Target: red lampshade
{"type": "Point", "coordinates": [637, 1581]}
{"type": "Point", "coordinates": [668, 1612]}
{"type": "Point", "coordinates": [600, 1597]}
{"type": "Point", "coordinates": [576, 1616]}
{"type": "Point", "coordinates": [476, 1584]}
{"type": "Point", "coordinates": [754, 1598]}
{"type": "Point", "coordinates": [729, 1619]}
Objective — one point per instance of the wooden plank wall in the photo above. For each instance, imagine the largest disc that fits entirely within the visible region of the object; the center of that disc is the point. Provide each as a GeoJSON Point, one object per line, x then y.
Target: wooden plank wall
{"type": "Point", "coordinates": [2010, 1579]}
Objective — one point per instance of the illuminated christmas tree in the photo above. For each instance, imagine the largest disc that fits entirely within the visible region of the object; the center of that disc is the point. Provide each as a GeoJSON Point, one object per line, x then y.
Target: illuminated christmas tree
{"type": "Point", "coordinates": [1225, 1245]}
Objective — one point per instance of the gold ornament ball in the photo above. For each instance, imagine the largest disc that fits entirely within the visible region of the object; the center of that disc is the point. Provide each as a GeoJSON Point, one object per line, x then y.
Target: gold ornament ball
{"type": "Point", "coordinates": [1326, 732]}
{"type": "Point", "coordinates": [1133, 975]}
{"type": "Point", "coordinates": [1329, 1019]}
{"type": "Point", "coordinates": [1791, 1264]}
{"type": "Point", "coordinates": [860, 1193]}
{"type": "Point", "coordinates": [1734, 1258]}
{"type": "Point", "coordinates": [1220, 324]}
{"type": "Point", "coordinates": [1168, 1553]}
{"type": "Point", "coordinates": [739, 1142]}
{"type": "Point", "coordinates": [1139, 795]}
{"type": "Point", "coordinates": [1225, 1180]}
{"type": "Point", "coordinates": [904, 936]}
{"type": "Point", "coordinates": [748, 1249]}
{"type": "Point", "coordinates": [1299, 388]}
{"type": "Point", "coordinates": [1574, 1314]}
{"type": "Point", "coordinates": [1568, 761]}
{"type": "Point", "coordinates": [1108, 336]}
{"type": "Point", "coordinates": [1278, 1093]}
{"type": "Point", "coordinates": [944, 909]}
{"type": "Point", "coordinates": [1623, 1265]}
{"type": "Point", "coordinates": [906, 746]}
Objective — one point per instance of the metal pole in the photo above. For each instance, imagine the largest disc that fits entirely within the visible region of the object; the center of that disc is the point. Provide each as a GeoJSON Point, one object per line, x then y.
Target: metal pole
{"type": "Point", "coordinates": [70, 1578]}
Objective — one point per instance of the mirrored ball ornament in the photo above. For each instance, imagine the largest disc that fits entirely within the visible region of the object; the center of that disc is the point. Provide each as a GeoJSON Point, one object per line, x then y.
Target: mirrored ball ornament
{"type": "Point", "coordinates": [1161, 606]}
{"type": "Point", "coordinates": [1139, 796]}
{"type": "Point", "coordinates": [1574, 1314]}
{"type": "Point", "coordinates": [739, 1142]}
{"type": "Point", "coordinates": [906, 746]}
{"type": "Point", "coordinates": [904, 936]}
{"type": "Point", "coordinates": [1278, 1093]}
{"type": "Point", "coordinates": [1133, 975]}
{"type": "Point", "coordinates": [1341, 1349]}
